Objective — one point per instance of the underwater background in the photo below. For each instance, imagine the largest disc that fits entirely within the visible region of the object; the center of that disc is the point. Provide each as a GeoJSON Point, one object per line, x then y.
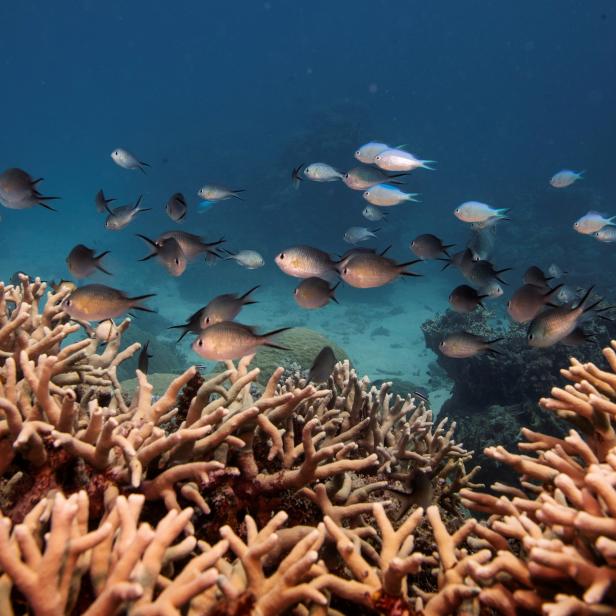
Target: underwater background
{"type": "Point", "coordinates": [501, 95]}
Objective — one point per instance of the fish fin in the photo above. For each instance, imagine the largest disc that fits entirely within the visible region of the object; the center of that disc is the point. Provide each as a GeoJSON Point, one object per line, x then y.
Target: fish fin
{"type": "Point", "coordinates": [397, 175]}
{"type": "Point", "coordinates": [238, 197]}
{"type": "Point", "coordinates": [401, 146]}
{"type": "Point", "coordinates": [411, 274]}
{"type": "Point", "coordinates": [148, 257]}
{"type": "Point", "coordinates": [147, 239]}
{"type": "Point", "coordinates": [109, 210]}
{"type": "Point", "coordinates": [248, 293]}
{"type": "Point", "coordinates": [274, 332]}
{"type": "Point", "coordinates": [45, 198]}
{"type": "Point", "coordinates": [102, 269]}
{"type": "Point", "coordinates": [502, 211]}
{"type": "Point", "coordinates": [144, 309]}
{"type": "Point", "coordinates": [580, 174]}
{"type": "Point", "coordinates": [448, 262]}
{"type": "Point", "coordinates": [334, 300]}
{"type": "Point", "coordinates": [139, 298]}
{"type": "Point", "coordinates": [385, 250]}
{"type": "Point", "coordinates": [276, 346]}
{"type": "Point", "coordinates": [138, 202]}
{"type": "Point", "coordinates": [494, 352]}
{"type": "Point", "coordinates": [428, 164]}
{"type": "Point", "coordinates": [47, 207]}
{"type": "Point", "coordinates": [585, 297]}
{"type": "Point", "coordinates": [558, 286]}
{"type": "Point", "coordinates": [501, 280]}
{"type": "Point", "coordinates": [407, 263]}
{"type": "Point", "coordinates": [35, 182]}
{"type": "Point", "coordinates": [551, 305]}
{"type": "Point", "coordinates": [110, 200]}
{"type": "Point", "coordinates": [396, 183]}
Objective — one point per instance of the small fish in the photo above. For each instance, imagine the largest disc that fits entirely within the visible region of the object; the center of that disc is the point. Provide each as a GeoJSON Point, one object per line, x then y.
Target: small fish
{"type": "Point", "coordinates": [143, 362]}
{"type": "Point", "coordinates": [305, 262]}
{"type": "Point", "coordinates": [475, 211]}
{"type": "Point", "coordinates": [428, 246]}
{"type": "Point", "coordinates": [354, 235]}
{"type": "Point", "coordinates": [121, 217]}
{"type": "Point", "coordinates": [565, 178]}
{"type": "Point", "coordinates": [296, 176]}
{"type": "Point", "coordinates": [102, 202]}
{"type": "Point", "coordinates": [369, 151]}
{"type": "Point", "coordinates": [465, 299]}
{"type": "Point", "coordinates": [229, 340]}
{"type": "Point", "coordinates": [123, 158]}
{"type": "Point", "coordinates": [361, 178]}
{"type": "Point", "coordinates": [373, 214]}
{"type": "Point", "coordinates": [214, 193]}
{"type": "Point", "coordinates": [399, 160]}
{"type": "Point", "coordinates": [463, 260]}
{"type": "Point", "coordinates": [250, 259]}
{"type": "Point", "coordinates": [492, 290]}
{"type": "Point", "coordinates": [97, 302]}
{"type": "Point", "coordinates": [176, 207]}
{"type": "Point", "coordinates": [168, 252]}
{"type": "Point", "coordinates": [528, 301]}
{"type": "Point", "coordinates": [554, 324]}
{"type": "Point", "coordinates": [18, 191]}
{"type": "Point", "coordinates": [556, 272]}
{"type": "Point", "coordinates": [62, 285]}
{"type": "Point", "coordinates": [385, 195]}
{"type": "Point", "coordinates": [464, 344]}
{"type": "Point", "coordinates": [82, 262]}
{"type": "Point", "coordinates": [482, 244]}
{"type": "Point", "coordinates": [369, 270]}
{"type": "Point", "coordinates": [106, 331]}
{"type": "Point", "coordinates": [606, 234]}
{"type": "Point", "coordinates": [565, 294]}
{"type": "Point", "coordinates": [322, 172]}
{"type": "Point", "coordinates": [592, 222]}
{"type": "Point", "coordinates": [481, 273]}
{"type": "Point", "coordinates": [534, 275]}
{"type": "Point", "coordinates": [349, 254]}
{"type": "Point", "coordinates": [314, 293]}
{"type": "Point", "coordinates": [322, 366]}
{"type": "Point", "coordinates": [488, 223]}
{"type": "Point", "coordinates": [192, 245]}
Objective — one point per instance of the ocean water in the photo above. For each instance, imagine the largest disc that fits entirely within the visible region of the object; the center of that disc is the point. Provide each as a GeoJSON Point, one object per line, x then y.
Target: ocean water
{"type": "Point", "coordinates": [501, 95]}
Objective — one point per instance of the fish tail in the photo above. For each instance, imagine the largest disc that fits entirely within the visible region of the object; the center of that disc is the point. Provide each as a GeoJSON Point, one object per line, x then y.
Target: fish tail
{"type": "Point", "coordinates": [271, 345]}
{"type": "Point", "coordinates": [585, 297]}
{"type": "Point", "coordinates": [580, 174]}
{"type": "Point", "coordinates": [140, 298]}
{"type": "Point", "coordinates": [502, 211]}
{"type": "Point", "coordinates": [448, 262]}
{"type": "Point", "coordinates": [273, 333]}
{"type": "Point", "coordinates": [428, 164]}
{"type": "Point", "coordinates": [47, 207]}
{"type": "Point", "coordinates": [446, 247]}
{"type": "Point", "coordinates": [235, 195]}
{"type": "Point", "coordinates": [248, 293]}
{"type": "Point", "coordinates": [411, 197]}
{"type": "Point", "coordinates": [103, 254]}
{"type": "Point", "coordinates": [382, 253]}
{"type": "Point", "coordinates": [407, 263]}
{"type": "Point", "coordinates": [552, 291]}
{"type": "Point", "coordinates": [102, 269]}
{"type": "Point", "coordinates": [332, 292]}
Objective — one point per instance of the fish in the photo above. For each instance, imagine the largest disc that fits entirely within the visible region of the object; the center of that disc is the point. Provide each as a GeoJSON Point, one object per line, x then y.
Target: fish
{"type": "Point", "coordinates": [143, 362]}
{"type": "Point", "coordinates": [216, 192]}
{"type": "Point", "coordinates": [168, 252]}
{"type": "Point", "coordinates": [465, 299]}
{"type": "Point", "coordinates": [578, 337]}
{"type": "Point", "coordinates": [18, 191]}
{"type": "Point", "coordinates": [488, 223]}
{"type": "Point", "coordinates": [322, 366]}
{"type": "Point", "coordinates": [361, 178]}
{"type": "Point", "coordinates": [427, 246]}
{"type": "Point", "coordinates": [354, 235]}
{"type": "Point", "coordinates": [373, 214]}
{"type": "Point", "coordinates": [192, 325]}
{"type": "Point", "coordinates": [305, 262]}
{"type": "Point", "coordinates": [229, 340]}
{"type": "Point", "coordinates": [192, 245]}
{"type": "Point", "coordinates": [565, 294]}
{"type": "Point", "coordinates": [592, 222]}
{"type": "Point", "coordinates": [528, 301]}
{"type": "Point", "coordinates": [322, 172]}
{"type": "Point", "coordinates": [97, 302]}
{"type": "Point", "coordinates": [250, 259]}
{"type": "Point", "coordinates": [395, 159]}
{"type": "Point", "coordinates": [475, 211]}
{"type": "Point", "coordinates": [554, 324]}
{"type": "Point", "coordinates": [123, 158]}
{"type": "Point", "coordinates": [121, 217]}
{"type": "Point", "coordinates": [565, 178]}
{"type": "Point", "coordinates": [82, 262]}
{"type": "Point", "coordinates": [482, 272]}
{"type": "Point", "coordinates": [482, 244]}
{"type": "Point", "coordinates": [492, 290]}
{"type": "Point", "coordinates": [296, 176]}
{"type": "Point", "coordinates": [102, 202]}
{"type": "Point", "coordinates": [176, 207]}
{"type": "Point", "coordinates": [385, 195]}
{"type": "Point", "coordinates": [106, 331]}
{"type": "Point", "coordinates": [463, 260]}
{"type": "Point", "coordinates": [346, 257]}
{"type": "Point", "coordinates": [556, 272]}
{"type": "Point", "coordinates": [314, 293]}
{"type": "Point", "coordinates": [367, 152]}
{"type": "Point", "coordinates": [462, 345]}
{"type": "Point", "coordinates": [62, 285]}
{"type": "Point", "coordinates": [606, 234]}
{"type": "Point", "coordinates": [534, 275]}
{"type": "Point", "coordinates": [369, 270]}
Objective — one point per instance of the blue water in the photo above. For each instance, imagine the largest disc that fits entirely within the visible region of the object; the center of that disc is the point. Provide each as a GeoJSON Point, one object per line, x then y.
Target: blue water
{"type": "Point", "coordinates": [502, 95]}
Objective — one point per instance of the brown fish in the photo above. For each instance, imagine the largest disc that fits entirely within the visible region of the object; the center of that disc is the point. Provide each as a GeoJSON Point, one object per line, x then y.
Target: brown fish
{"type": "Point", "coordinates": [464, 344]}
{"type": "Point", "coordinates": [428, 246]}
{"type": "Point", "coordinates": [314, 293]}
{"type": "Point", "coordinates": [18, 191]}
{"type": "Point", "coordinates": [465, 299]}
{"type": "Point", "coordinates": [528, 301]}
{"type": "Point", "coordinates": [192, 245]}
{"type": "Point", "coordinates": [534, 275]}
{"type": "Point", "coordinates": [369, 270]}
{"type": "Point", "coordinates": [482, 273]}
{"type": "Point", "coordinates": [322, 366]}
{"type": "Point", "coordinates": [168, 252]}
{"type": "Point", "coordinates": [82, 262]}
{"type": "Point", "coordinates": [176, 207]}
{"type": "Point", "coordinates": [96, 302]}
{"type": "Point", "coordinates": [229, 340]}
{"type": "Point", "coordinates": [305, 262]}
{"type": "Point", "coordinates": [102, 202]}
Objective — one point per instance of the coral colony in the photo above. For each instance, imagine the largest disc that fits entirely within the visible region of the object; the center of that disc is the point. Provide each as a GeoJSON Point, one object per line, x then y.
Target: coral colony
{"type": "Point", "coordinates": [303, 500]}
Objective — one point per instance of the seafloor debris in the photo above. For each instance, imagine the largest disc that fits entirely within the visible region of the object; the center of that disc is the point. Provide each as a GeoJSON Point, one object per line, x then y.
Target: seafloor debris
{"type": "Point", "coordinates": [311, 501]}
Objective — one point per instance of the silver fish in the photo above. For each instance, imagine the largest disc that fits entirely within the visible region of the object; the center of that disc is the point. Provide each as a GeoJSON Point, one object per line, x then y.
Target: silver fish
{"type": "Point", "coordinates": [123, 158]}
{"type": "Point", "coordinates": [305, 262]}
{"type": "Point", "coordinates": [314, 293]}
{"type": "Point", "coordinates": [168, 252]}
{"type": "Point", "coordinates": [373, 214]}
{"type": "Point", "coordinates": [102, 202]}
{"type": "Point", "coordinates": [82, 261]}
{"type": "Point", "coordinates": [250, 259]}
{"type": "Point", "coordinates": [192, 245]}
{"type": "Point", "coordinates": [18, 191]}
{"type": "Point", "coordinates": [428, 246]}
{"type": "Point", "coordinates": [462, 345]}
{"type": "Point", "coordinates": [322, 172]}
{"type": "Point", "coordinates": [361, 178]}
{"type": "Point", "coordinates": [216, 192]}
{"type": "Point", "coordinates": [354, 235]}
{"type": "Point", "coordinates": [176, 207]}
{"type": "Point", "coordinates": [121, 217]}
{"type": "Point", "coordinates": [96, 302]}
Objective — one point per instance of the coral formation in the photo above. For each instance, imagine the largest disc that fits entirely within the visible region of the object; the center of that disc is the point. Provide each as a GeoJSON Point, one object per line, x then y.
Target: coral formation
{"type": "Point", "coordinates": [329, 500]}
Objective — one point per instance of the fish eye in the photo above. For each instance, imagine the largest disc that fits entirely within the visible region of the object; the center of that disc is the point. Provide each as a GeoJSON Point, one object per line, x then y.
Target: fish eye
{"type": "Point", "coordinates": [357, 152]}
{"type": "Point", "coordinates": [177, 261]}
{"type": "Point", "coordinates": [281, 255]}
{"type": "Point", "coordinates": [346, 269]}
{"type": "Point", "coordinates": [200, 343]}
{"type": "Point", "coordinates": [207, 319]}
{"type": "Point", "coordinates": [68, 302]}
{"type": "Point", "coordinates": [531, 336]}
{"type": "Point", "coordinates": [441, 344]}
{"type": "Point", "coordinates": [509, 304]}
{"type": "Point", "coordinates": [378, 157]}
